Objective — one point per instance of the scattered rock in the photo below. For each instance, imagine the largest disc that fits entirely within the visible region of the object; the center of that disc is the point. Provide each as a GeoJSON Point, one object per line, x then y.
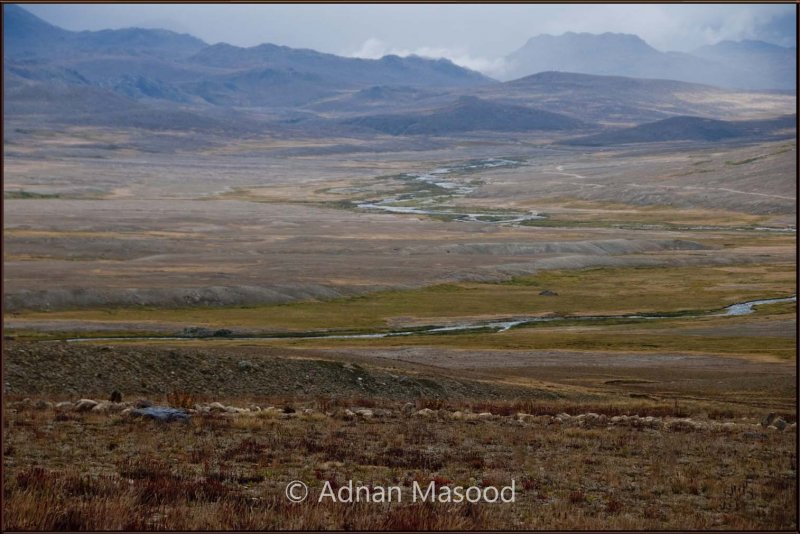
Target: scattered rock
{"type": "Point", "coordinates": [216, 407]}
{"type": "Point", "coordinates": [768, 419]}
{"type": "Point", "coordinates": [681, 425]}
{"type": "Point", "coordinates": [43, 405]}
{"type": "Point", "coordinates": [84, 405]}
{"type": "Point", "coordinates": [161, 413]}
{"type": "Point", "coordinates": [245, 365]}
{"type": "Point", "coordinates": [101, 407]}
{"type": "Point", "coordinates": [366, 413]}
{"type": "Point", "coordinates": [779, 423]}
{"type": "Point", "coordinates": [563, 418]}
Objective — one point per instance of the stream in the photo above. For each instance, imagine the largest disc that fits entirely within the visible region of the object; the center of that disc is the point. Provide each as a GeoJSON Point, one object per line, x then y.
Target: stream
{"type": "Point", "coordinates": [742, 308]}
{"type": "Point", "coordinates": [438, 178]}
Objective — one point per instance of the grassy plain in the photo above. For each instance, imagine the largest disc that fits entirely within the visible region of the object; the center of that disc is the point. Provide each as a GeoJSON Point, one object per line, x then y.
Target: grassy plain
{"type": "Point", "coordinates": [254, 238]}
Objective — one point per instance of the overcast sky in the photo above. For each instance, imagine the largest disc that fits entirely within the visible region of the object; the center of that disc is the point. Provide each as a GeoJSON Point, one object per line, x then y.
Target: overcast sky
{"type": "Point", "coordinates": [476, 36]}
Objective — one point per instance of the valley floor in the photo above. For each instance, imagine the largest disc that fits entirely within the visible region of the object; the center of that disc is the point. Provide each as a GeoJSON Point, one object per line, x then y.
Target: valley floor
{"type": "Point", "coordinates": [637, 406]}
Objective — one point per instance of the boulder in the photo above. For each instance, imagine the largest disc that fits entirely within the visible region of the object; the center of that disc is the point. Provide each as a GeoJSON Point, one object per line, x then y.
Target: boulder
{"type": "Point", "coordinates": [245, 365]}
{"type": "Point", "coordinates": [426, 413]}
{"type": "Point", "coordinates": [43, 405]}
{"type": "Point", "coordinates": [116, 396]}
{"type": "Point", "coordinates": [548, 293]}
{"type": "Point", "coordinates": [768, 419]}
{"type": "Point", "coordinates": [142, 403]}
{"type": "Point", "coordinates": [779, 423]}
{"type": "Point", "coordinates": [84, 405]}
{"type": "Point", "coordinates": [163, 414]}
{"type": "Point", "coordinates": [526, 417]}
{"type": "Point", "coordinates": [65, 405]}
{"type": "Point", "coordinates": [408, 409]}
{"type": "Point", "coordinates": [682, 425]}
{"type": "Point", "coordinates": [102, 407]}
{"type": "Point", "coordinates": [217, 407]}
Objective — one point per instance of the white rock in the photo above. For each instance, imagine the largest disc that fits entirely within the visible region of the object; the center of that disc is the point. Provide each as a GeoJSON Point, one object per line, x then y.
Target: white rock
{"type": "Point", "coordinates": [84, 405]}
{"type": "Point", "coordinates": [216, 407]}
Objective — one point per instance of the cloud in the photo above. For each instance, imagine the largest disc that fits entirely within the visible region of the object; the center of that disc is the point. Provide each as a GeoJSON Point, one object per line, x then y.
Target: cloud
{"type": "Point", "coordinates": [374, 48]}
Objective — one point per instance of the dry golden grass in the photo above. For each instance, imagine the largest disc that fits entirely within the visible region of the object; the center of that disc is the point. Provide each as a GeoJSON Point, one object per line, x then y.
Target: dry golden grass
{"type": "Point", "coordinates": [73, 471]}
{"type": "Point", "coordinates": [585, 292]}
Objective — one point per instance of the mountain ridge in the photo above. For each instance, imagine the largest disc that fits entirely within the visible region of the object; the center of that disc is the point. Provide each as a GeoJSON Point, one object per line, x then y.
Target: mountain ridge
{"type": "Point", "coordinates": [739, 65]}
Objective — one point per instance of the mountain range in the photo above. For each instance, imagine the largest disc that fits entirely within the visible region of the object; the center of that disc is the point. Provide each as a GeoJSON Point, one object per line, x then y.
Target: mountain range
{"type": "Point", "coordinates": [158, 79]}
{"type": "Point", "coordinates": [736, 65]}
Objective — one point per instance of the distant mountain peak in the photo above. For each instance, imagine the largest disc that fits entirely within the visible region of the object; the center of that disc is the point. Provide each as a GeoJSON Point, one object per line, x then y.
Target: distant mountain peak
{"type": "Point", "coordinates": [740, 65]}
{"type": "Point", "coordinates": [585, 38]}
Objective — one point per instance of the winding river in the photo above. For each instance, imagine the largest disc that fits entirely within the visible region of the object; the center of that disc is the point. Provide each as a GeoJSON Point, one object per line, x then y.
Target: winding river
{"type": "Point", "coordinates": [439, 178]}
{"type": "Point", "coordinates": [742, 308]}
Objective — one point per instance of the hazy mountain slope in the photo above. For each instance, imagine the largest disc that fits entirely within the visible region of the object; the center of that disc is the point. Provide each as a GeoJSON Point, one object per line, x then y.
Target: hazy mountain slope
{"type": "Point", "coordinates": [26, 35]}
{"type": "Point", "coordinates": [466, 115]}
{"type": "Point", "coordinates": [163, 65]}
{"type": "Point", "coordinates": [383, 99]}
{"type": "Point", "coordinates": [389, 70]}
{"type": "Point", "coordinates": [690, 129]}
{"type": "Point", "coordinates": [628, 55]}
{"type": "Point", "coordinates": [767, 66]}
{"type": "Point", "coordinates": [621, 100]}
